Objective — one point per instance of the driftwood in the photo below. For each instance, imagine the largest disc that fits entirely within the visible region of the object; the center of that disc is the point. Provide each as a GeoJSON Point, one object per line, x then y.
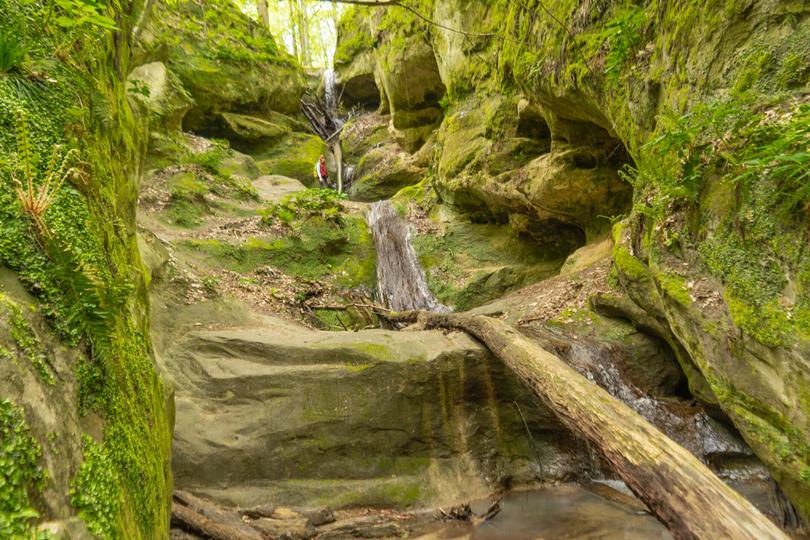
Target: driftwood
{"type": "Point", "coordinates": [679, 490]}
{"type": "Point", "coordinates": [187, 519]}
{"type": "Point", "coordinates": [203, 518]}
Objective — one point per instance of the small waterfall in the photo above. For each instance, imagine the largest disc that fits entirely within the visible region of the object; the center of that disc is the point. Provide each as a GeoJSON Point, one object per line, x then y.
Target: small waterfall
{"type": "Point", "coordinates": [348, 174]}
{"type": "Point", "coordinates": [330, 95]}
{"type": "Point", "coordinates": [401, 282]}
{"type": "Point", "coordinates": [689, 426]}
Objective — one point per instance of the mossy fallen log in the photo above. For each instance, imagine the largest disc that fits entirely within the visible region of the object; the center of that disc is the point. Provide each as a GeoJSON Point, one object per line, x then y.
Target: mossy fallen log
{"type": "Point", "coordinates": [679, 490]}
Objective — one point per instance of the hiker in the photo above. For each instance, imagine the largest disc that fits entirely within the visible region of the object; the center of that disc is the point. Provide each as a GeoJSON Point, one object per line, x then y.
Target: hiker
{"type": "Point", "coordinates": [321, 172]}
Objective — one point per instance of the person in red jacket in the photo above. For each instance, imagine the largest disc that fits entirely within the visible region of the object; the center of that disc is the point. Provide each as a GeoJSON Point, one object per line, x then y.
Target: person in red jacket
{"type": "Point", "coordinates": [321, 172]}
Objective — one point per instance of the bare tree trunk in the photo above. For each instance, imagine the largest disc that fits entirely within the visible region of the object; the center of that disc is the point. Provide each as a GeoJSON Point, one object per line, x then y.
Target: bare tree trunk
{"type": "Point", "coordinates": [337, 152]}
{"type": "Point", "coordinates": [303, 33]}
{"type": "Point", "coordinates": [293, 28]}
{"type": "Point", "coordinates": [682, 492]}
{"type": "Point", "coordinates": [264, 16]}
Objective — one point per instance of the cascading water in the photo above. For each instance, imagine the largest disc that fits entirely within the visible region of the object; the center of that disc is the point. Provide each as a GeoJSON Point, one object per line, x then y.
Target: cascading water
{"type": "Point", "coordinates": [348, 174]}
{"type": "Point", "coordinates": [689, 426]}
{"type": "Point", "coordinates": [330, 96]}
{"type": "Point", "coordinates": [401, 282]}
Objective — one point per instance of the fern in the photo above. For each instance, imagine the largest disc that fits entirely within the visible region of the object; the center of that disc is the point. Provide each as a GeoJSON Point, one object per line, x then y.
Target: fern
{"type": "Point", "coordinates": [35, 200]}
{"type": "Point", "coordinates": [12, 51]}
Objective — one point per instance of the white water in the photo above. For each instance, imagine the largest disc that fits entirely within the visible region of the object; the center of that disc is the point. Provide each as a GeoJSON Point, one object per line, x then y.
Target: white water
{"type": "Point", "coordinates": [401, 283]}
{"type": "Point", "coordinates": [330, 96]}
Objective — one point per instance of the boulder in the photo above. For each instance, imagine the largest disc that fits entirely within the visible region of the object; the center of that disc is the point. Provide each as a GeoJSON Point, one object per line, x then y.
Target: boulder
{"type": "Point", "coordinates": [294, 156]}
{"type": "Point", "coordinates": [253, 129]}
{"type": "Point", "coordinates": [382, 172]}
{"type": "Point", "coordinates": [281, 414]}
{"type": "Point", "coordinates": [226, 62]}
{"type": "Point", "coordinates": [162, 94]}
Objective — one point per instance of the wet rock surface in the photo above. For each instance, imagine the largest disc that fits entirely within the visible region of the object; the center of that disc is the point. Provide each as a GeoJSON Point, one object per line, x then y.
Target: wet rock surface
{"type": "Point", "coordinates": [278, 413]}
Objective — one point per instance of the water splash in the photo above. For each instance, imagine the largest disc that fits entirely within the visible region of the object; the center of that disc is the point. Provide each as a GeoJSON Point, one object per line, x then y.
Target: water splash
{"type": "Point", "coordinates": [401, 282]}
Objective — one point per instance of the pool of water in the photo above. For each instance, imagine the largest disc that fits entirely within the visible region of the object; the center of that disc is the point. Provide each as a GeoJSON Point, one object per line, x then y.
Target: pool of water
{"type": "Point", "coordinates": [561, 512]}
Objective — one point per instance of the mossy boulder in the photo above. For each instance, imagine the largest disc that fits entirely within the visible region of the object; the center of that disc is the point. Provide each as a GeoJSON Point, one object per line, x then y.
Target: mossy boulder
{"type": "Point", "coordinates": [294, 156]}
{"type": "Point", "coordinates": [162, 94]}
{"type": "Point", "coordinates": [252, 129]}
{"type": "Point", "coordinates": [384, 171]}
{"type": "Point", "coordinates": [226, 62]}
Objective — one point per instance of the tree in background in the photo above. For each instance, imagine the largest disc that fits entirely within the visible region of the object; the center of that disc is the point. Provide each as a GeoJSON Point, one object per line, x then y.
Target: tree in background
{"type": "Point", "coordinates": [307, 28]}
{"type": "Point", "coordinates": [261, 8]}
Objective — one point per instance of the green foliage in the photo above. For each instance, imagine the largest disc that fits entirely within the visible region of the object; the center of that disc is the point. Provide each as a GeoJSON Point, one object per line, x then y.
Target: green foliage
{"type": "Point", "coordinates": [736, 138]}
{"type": "Point", "coordinates": [86, 276]}
{"type": "Point", "coordinates": [223, 32]}
{"type": "Point", "coordinates": [20, 473]}
{"type": "Point", "coordinates": [623, 31]}
{"type": "Point", "coordinates": [26, 341]}
{"type": "Point", "coordinates": [96, 492]}
{"type": "Point", "coordinates": [777, 148]}
{"type": "Point", "coordinates": [354, 36]}
{"type": "Point", "coordinates": [303, 205]}
{"type": "Point", "coordinates": [77, 13]}
{"type": "Point", "coordinates": [12, 51]}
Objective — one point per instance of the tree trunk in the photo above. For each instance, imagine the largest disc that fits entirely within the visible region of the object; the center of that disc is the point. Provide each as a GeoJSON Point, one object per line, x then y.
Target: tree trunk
{"type": "Point", "coordinates": [337, 151]}
{"type": "Point", "coordinates": [293, 27]}
{"type": "Point", "coordinates": [682, 492]}
{"type": "Point", "coordinates": [303, 33]}
{"type": "Point", "coordinates": [264, 16]}
{"type": "Point", "coordinates": [187, 519]}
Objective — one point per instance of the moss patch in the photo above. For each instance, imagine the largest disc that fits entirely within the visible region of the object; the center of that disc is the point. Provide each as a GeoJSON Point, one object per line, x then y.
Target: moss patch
{"type": "Point", "coordinates": [21, 476]}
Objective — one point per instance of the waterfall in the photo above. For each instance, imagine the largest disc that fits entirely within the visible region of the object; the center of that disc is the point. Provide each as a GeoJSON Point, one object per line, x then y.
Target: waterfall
{"type": "Point", "coordinates": [330, 95]}
{"type": "Point", "coordinates": [401, 282]}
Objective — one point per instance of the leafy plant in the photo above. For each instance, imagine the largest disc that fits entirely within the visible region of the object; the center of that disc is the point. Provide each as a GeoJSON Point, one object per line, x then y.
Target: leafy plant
{"type": "Point", "coordinates": [12, 51]}
{"type": "Point", "coordinates": [323, 203]}
{"type": "Point", "coordinates": [624, 32]}
{"type": "Point", "coordinates": [35, 200]}
{"type": "Point", "coordinates": [19, 471]}
{"type": "Point", "coordinates": [76, 13]}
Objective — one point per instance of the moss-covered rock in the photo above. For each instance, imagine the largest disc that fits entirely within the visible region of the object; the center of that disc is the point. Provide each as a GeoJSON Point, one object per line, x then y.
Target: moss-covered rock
{"type": "Point", "coordinates": [382, 172]}
{"type": "Point", "coordinates": [162, 95]}
{"type": "Point", "coordinates": [226, 62]}
{"type": "Point", "coordinates": [294, 156]}
{"type": "Point", "coordinates": [89, 322]}
{"type": "Point", "coordinates": [702, 97]}
{"type": "Point", "coordinates": [304, 417]}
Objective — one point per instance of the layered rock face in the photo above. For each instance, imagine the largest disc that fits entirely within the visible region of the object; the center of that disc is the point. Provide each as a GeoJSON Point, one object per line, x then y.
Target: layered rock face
{"type": "Point", "coordinates": [558, 125]}
{"type": "Point", "coordinates": [282, 414]}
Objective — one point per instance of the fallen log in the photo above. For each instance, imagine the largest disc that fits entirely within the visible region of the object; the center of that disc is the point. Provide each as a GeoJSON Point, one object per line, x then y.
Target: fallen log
{"type": "Point", "coordinates": [678, 489]}
{"type": "Point", "coordinates": [202, 517]}
{"type": "Point", "coordinates": [187, 519]}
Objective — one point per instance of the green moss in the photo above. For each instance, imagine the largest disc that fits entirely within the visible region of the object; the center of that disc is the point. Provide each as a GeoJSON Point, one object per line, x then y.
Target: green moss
{"type": "Point", "coordinates": [96, 491]}
{"type": "Point", "coordinates": [675, 287]}
{"type": "Point", "coordinates": [87, 276]}
{"type": "Point", "coordinates": [294, 157]}
{"type": "Point", "coordinates": [629, 265]}
{"type": "Point", "coordinates": [318, 248]}
{"type": "Point", "coordinates": [770, 435]}
{"type": "Point", "coordinates": [21, 476]}
{"type": "Point", "coordinates": [28, 345]}
{"type": "Point", "coordinates": [354, 36]}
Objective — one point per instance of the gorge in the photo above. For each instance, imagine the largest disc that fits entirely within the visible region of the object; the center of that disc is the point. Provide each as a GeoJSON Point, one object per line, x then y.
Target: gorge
{"type": "Point", "coordinates": [197, 340]}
